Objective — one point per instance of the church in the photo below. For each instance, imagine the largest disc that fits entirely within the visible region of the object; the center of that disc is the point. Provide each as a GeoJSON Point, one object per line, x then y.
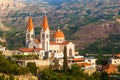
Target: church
{"type": "Point", "coordinates": [50, 51]}
{"type": "Point", "coordinates": [49, 48]}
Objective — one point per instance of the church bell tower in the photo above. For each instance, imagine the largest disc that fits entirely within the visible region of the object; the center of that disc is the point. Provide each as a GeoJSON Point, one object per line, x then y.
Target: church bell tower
{"type": "Point", "coordinates": [45, 35]}
{"type": "Point", "coordinates": [30, 34]}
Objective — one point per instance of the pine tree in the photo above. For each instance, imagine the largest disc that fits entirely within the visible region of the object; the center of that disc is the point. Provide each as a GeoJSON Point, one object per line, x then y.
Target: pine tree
{"type": "Point", "coordinates": [65, 63]}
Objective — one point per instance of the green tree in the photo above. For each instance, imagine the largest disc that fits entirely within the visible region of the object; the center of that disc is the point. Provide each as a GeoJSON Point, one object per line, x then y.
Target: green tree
{"type": "Point", "coordinates": [65, 63]}
{"type": "Point", "coordinates": [104, 76]}
{"type": "Point", "coordinates": [32, 67]}
{"type": "Point", "coordinates": [9, 67]}
{"type": "Point", "coordinates": [11, 77]}
{"type": "Point", "coordinates": [119, 68]}
{"type": "Point", "coordinates": [2, 77]}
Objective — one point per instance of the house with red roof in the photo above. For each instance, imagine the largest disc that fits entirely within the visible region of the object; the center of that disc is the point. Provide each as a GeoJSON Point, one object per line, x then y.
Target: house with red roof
{"type": "Point", "coordinates": [31, 51]}
{"type": "Point", "coordinates": [110, 68]}
{"type": "Point", "coordinates": [88, 64]}
{"type": "Point", "coordinates": [115, 60]}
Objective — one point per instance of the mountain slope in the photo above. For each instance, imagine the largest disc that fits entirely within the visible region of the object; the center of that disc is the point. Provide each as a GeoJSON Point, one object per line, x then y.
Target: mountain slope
{"type": "Point", "coordinates": [79, 19]}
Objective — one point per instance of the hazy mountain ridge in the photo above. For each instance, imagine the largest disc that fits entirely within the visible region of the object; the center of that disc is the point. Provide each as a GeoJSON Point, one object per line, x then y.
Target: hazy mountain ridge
{"type": "Point", "coordinates": [70, 16]}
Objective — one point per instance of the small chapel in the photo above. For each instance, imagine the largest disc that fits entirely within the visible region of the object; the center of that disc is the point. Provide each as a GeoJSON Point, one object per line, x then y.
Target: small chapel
{"type": "Point", "coordinates": [54, 47]}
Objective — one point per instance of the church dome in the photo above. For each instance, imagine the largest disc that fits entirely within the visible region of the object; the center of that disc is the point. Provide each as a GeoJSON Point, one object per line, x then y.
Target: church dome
{"type": "Point", "coordinates": [58, 34]}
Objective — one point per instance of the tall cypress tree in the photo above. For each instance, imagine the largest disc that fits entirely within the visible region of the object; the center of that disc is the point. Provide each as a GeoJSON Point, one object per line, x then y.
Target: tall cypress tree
{"type": "Point", "coordinates": [65, 63]}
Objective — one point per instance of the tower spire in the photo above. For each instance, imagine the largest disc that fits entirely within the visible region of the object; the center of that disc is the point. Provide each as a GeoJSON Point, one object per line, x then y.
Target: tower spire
{"type": "Point", "coordinates": [45, 25]}
{"type": "Point", "coordinates": [30, 24]}
{"type": "Point", "coordinates": [45, 35]}
{"type": "Point", "coordinates": [30, 35]}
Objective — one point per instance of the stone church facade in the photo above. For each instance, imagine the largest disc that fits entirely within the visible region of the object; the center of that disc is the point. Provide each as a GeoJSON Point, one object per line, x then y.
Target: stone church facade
{"type": "Point", "coordinates": [55, 47]}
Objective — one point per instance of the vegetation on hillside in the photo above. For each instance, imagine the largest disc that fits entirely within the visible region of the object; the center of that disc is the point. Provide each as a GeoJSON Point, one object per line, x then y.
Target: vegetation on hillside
{"type": "Point", "coordinates": [32, 68]}
{"type": "Point", "coordinates": [75, 73]}
{"type": "Point", "coordinates": [111, 45]}
{"type": "Point", "coordinates": [9, 67]}
{"type": "Point", "coordinates": [3, 77]}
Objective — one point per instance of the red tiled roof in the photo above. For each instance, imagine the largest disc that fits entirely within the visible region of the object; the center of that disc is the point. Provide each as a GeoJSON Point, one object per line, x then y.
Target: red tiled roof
{"type": "Point", "coordinates": [58, 34]}
{"type": "Point", "coordinates": [29, 49]}
{"type": "Point", "coordinates": [38, 49]}
{"type": "Point", "coordinates": [63, 43]}
{"type": "Point", "coordinates": [78, 59]}
{"type": "Point", "coordinates": [109, 68]}
{"type": "Point", "coordinates": [84, 64]}
{"type": "Point", "coordinates": [118, 55]}
{"type": "Point", "coordinates": [26, 49]}
{"type": "Point", "coordinates": [37, 41]}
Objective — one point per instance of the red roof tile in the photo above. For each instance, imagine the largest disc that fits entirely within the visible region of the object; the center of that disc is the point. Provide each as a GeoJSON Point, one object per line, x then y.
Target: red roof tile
{"type": "Point", "coordinates": [84, 64]}
{"type": "Point", "coordinates": [29, 49]}
{"type": "Point", "coordinates": [37, 41]}
{"type": "Point", "coordinates": [109, 68]}
{"type": "Point", "coordinates": [58, 34]}
{"type": "Point", "coordinates": [26, 49]}
{"type": "Point", "coordinates": [118, 55]}
{"type": "Point", "coordinates": [63, 43]}
{"type": "Point", "coordinates": [78, 59]}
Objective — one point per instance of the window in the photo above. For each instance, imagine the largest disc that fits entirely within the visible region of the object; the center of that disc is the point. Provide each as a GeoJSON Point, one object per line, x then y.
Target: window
{"type": "Point", "coordinates": [70, 52]}
{"type": "Point", "coordinates": [47, 46]}
{"type": "Point", "coordinates": [89, 60]}
{"type": "Point", "coordinates": [32, 36]}
{"type": "Point", "coordinates": [47, 36]}
{"type": "Point", "coordinates": [42, 35]}
{"type": "Point", "coordinates": [28, 35]}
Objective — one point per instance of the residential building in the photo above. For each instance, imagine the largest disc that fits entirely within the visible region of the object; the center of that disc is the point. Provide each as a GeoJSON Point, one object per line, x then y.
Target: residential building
{"type": "Point", "coordinates": [115, 60]}
{"type": "Point", "coordinates": [110, 68]}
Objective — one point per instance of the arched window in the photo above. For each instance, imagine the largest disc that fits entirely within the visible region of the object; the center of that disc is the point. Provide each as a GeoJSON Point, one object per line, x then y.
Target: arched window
{"type": "Point", "coordinates": [70, 52]}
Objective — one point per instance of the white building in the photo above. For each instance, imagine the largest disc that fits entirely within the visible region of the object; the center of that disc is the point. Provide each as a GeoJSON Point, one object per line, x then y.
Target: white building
{"type": "Point", "coordinates": [91, 60]}
{"type": "Point", "coordinates": [56, 46]}
{"type": "Point", "coordinates": [2, 49]}
{"type": "Point", "coordinates": [88, 64]}
{"type": "Point", "coordinates": [115, 60]}
{"type": "Point", "coordinates": [30, 51]}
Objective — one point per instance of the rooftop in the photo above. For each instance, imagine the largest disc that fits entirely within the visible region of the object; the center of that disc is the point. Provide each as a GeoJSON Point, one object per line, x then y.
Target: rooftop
{"type": "Point", "coordinates": [29, 49]}
{"type": "Point", "coordinates": [109, 68]}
